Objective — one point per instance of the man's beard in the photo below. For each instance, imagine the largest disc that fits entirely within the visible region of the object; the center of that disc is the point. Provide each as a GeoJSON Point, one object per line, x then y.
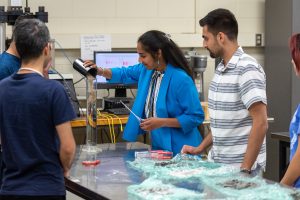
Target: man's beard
{"type": "Point", "coordinates": [212, 55]}
{"type": "Point", "coordinates": [217, 54]}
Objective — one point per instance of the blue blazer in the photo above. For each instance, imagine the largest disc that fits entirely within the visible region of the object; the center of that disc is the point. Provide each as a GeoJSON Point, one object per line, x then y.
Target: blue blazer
{"type": "Point", "coordinates": [177, 98]}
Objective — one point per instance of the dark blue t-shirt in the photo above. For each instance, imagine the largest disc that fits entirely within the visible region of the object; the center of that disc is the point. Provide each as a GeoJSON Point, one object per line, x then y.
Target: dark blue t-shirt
{"type": "Point", "coordinates": [30, 108]}
{"type": "Point", "coordinates": [9, 64]}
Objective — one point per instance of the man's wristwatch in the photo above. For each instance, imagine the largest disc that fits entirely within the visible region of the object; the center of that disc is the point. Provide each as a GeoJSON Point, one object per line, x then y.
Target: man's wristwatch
{"type": "Point", "coordinates": [244, 170]}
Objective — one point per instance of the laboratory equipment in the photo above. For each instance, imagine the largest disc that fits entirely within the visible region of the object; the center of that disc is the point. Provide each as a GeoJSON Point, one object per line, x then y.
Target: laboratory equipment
{"type": "Point", "coordinates": [198, 64]}
{"type": "Point", "coordinates": [10, 16]}
{"type": "Point", "coordinates": [91, 104]}
{"type": "Point", "coordinates": [78, 66]}
{"type": "Point", "coordinates": [113, 105]}
{"type": "Point", "coordinates": [111, 59]}
{"type": "Point", "coordinates": [67, 81]}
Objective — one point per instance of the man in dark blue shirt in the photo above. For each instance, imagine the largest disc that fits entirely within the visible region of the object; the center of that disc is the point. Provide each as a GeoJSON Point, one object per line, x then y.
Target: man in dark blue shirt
{"type": "Point", "coordinates": [35, 112]}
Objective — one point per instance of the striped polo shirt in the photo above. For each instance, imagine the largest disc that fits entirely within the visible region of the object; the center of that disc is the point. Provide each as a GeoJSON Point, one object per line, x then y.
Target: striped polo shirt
{"type": "Point", "coordinates": [234, 88]}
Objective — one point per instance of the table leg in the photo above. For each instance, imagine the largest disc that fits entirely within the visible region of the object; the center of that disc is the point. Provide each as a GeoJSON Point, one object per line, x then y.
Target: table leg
{"type": "Point", "coordinates": [283, 161]}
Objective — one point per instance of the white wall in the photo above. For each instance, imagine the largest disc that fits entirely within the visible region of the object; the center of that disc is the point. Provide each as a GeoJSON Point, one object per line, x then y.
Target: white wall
{"type": "Point", "coordinates": [125, 20]}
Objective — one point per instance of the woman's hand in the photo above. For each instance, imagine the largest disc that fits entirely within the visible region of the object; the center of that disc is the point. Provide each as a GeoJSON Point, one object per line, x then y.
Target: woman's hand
{"type": "Point", "coordinates": [100, 70]}
{"type": "Point", "coordinates": [151, 123]}
{"type": "Point", "coordinates": [89, 63]}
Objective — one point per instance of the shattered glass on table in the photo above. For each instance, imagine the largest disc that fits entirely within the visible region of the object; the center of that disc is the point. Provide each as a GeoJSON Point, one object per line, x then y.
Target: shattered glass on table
{"type": "Point", "coordinates": [242, 186]}
{"type": "Point", "coordinates": [156, 190]}
{"type": "Point", "coordinates": [181, 166]}
{"type": "Point", "coordinates": [237, 184]}
{"type": "Point", "coordinates": [190, 175]}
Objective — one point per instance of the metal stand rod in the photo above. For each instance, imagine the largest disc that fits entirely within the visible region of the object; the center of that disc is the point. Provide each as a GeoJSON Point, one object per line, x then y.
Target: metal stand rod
{"type": "Point", "coordinates": [91, 116]}
{"type": "Point", "coordinates": [2, 37]}
{"type": "Point", "coordinates": [199, 81]}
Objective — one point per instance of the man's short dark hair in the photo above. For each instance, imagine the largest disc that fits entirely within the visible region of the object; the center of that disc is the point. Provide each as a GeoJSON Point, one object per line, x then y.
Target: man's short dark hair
{"type": "Point", "coordinates": [31, 36]}
{"type": "Point", "coordinates": [221, 20]}
{"type": "Point", "coordinates": [20, 18]}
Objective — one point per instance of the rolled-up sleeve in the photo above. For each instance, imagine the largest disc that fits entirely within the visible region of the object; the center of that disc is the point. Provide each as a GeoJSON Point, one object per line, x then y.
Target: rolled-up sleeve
{"type": "Point", "coordinates": [126, 75]}
{"type": "Point", "coordinates": [188, 98]}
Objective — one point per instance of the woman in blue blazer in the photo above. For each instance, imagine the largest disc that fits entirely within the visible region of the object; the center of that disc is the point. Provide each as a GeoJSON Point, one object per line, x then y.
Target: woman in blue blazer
{"type": "Point", "coordinates": [292, 174]}
{"type": "Point", "coordinates": [167, 99]}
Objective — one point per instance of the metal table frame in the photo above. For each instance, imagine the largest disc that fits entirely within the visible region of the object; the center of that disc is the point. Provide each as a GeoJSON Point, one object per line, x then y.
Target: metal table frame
{"type": "Point", "coordinates": [284, 145]}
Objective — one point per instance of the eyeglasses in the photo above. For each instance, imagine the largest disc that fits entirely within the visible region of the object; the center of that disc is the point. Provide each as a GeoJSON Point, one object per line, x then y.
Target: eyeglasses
{"type": "Point", "coordinates": [50, 45]}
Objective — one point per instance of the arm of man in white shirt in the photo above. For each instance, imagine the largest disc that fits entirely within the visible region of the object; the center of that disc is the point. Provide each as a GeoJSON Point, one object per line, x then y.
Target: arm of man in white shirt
{"type": "Point", "coordinates": [258, 112]}
{"type": "Point", "coordinates": [207, 141]}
